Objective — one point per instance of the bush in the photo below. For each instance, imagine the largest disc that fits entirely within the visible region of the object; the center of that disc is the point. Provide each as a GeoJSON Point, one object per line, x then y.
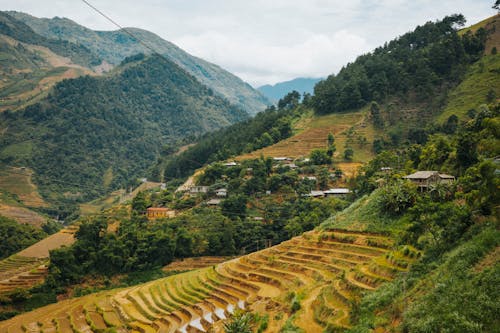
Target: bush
{"type": "Point", "coordinates": [398, 197]}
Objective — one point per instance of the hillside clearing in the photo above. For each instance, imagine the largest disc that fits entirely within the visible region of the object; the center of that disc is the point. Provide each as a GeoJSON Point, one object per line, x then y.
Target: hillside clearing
{"type": "Point", "coordinates": [18, 181]}
{"type": "Point", "coordinates": [353, 129]}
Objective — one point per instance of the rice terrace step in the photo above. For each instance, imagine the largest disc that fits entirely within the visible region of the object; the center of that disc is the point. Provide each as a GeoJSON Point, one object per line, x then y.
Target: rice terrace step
{"type": "Point", "coordinates": [329, 269]}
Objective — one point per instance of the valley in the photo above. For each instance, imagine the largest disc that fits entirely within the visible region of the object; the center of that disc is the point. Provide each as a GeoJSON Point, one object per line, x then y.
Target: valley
{"type": "Point", "coordinates": [156, 192]}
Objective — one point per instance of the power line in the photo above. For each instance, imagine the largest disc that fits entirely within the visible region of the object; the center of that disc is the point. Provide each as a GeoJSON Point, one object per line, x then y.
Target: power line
{"type": "Point", "coordinates": [122, 28]}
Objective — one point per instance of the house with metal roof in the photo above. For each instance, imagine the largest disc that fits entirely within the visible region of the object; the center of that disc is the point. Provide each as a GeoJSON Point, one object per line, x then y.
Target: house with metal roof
{"type": "Point", "coordinates": [424, 179]}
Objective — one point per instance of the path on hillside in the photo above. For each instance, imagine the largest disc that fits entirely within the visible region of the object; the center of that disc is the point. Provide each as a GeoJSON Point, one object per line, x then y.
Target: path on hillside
{"type": "Point", "coordinates": [305, 319]}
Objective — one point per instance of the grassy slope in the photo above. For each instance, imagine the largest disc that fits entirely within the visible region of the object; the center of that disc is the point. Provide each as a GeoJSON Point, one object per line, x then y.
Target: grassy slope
{"type": "Point", "coordinates": [480, 77]}
{"type": "Point", "coordinates": [364, 215]}
{"type": "Point", "coordinates": [312, 132]}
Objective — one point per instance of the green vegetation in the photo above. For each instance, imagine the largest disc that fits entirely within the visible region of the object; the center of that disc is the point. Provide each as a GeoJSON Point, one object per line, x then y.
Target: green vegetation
{"type": "Point", "coordinates": [77, 133]}
{"type": "Point", "coordinates": [482, 79]}
{"type": "Point", "coordinates": [14, 236]}
{"type": "Point", "coordinates": [417, 62]}
{"type": "Point", "coordinates": [455, 225]}
{"type": "Point", "coordinates": [265, 129]}
{"type": "Point", "coordinates": [114, 46]}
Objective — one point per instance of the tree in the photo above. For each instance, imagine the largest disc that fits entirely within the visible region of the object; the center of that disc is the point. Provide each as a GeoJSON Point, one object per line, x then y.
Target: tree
{"type": "Point", "coordinates": [398, 197]}
{"type": "Point", "coordinates": [451, 124]}
{"type": "Point", "coordinates": [323, 178]}
{"type": "Point", "coordinates": [496, 5]}
{"type": "Point", "coordinates": [331, 139]}
{"type": "Point", "coordinates": [239, 323]}
{"type": "Point", "coordinates": [348, 154]}
{"type": "Point", "coordinates": [375, 113]}
{"type": "Point", "coordinates": [235, 205]}
{"type": "Point", "coordinates": [140, 203]}
{"type": "Point", "coordinates": [290, 101]}
{"type": "Point", "coordinates": [320, 156]}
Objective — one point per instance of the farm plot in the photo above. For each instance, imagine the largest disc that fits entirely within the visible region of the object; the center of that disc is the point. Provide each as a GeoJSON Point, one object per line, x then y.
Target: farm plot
{"type": "Point", "coordinates": [324, 272]}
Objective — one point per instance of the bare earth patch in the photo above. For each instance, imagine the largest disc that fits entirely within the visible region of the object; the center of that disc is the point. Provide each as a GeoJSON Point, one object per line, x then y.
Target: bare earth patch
{"type": "Point", "coordinates": [41, 249]}
{"type": "Point", "coordinates": [22, 215]}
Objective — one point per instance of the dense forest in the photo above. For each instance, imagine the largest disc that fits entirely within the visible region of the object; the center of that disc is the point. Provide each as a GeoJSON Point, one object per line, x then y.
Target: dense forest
{"type": "Point", "coordinates": [93, 134]}
{"type": "Point", "coordinates": [265, 129]}
{"type": "Point", "coordinates": [413, 67]}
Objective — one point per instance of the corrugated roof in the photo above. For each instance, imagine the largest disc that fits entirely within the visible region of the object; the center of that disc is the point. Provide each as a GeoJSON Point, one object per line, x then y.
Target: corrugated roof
{"type": "Point", "coordinates": [421, 175]}
{"type": "Point", "coordinates": [339, 190]}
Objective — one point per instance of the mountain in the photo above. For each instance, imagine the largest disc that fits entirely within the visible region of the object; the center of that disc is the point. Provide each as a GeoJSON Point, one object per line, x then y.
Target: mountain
{"type": "Point", "coordinates": [394, 255]}
{"type": "Point", "coordinates": [114, 46]}
{"type": "Point", "coordinates": [92, 134]}
{"type": "Point", "coordinates": [278, 90]}
{"type": "Point", "coordinates": [31, 64]}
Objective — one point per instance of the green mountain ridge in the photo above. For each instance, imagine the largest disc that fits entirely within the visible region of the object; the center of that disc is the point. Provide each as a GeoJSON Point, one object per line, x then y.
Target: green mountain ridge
{"type": "Point", "coordinates": [114, 125]}
{"type": "Point", "coordinates": [114, 46]}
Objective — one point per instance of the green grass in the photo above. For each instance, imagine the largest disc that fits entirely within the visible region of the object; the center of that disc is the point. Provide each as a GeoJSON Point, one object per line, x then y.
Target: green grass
{"type": "Point", "coordinates": [480, 78]}
{"type": "Point", "coordinates": [365, 215]}
{"type": "Point", "coordinates": [21, 150]}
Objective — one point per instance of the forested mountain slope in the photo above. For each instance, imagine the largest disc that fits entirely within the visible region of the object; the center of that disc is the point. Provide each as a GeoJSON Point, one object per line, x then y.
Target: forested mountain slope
{"type": "Point", "coordinates": [114, 46]}
{"type": "Point", "coordinates": [92, 134]}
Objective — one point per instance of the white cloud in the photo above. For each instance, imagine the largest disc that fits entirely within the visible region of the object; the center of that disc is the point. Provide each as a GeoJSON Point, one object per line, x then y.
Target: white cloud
{"type": "Point", "coordinates": [266, 41]}
{"type": "Point", "coordinates": [259, 62]}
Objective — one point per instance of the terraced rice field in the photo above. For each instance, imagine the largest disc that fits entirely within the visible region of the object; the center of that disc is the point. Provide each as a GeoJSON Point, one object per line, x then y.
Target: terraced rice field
{"type": "Point", "coordinates": [189, 264]}
{"type": "Point", "coordinates": [29, 267]}
{"type": "Point", "coordinates": [328, 269]}
{"type": "Point", "coordinates": [346, 127]}
{"type": "Point", "coordinates": [21, 272]}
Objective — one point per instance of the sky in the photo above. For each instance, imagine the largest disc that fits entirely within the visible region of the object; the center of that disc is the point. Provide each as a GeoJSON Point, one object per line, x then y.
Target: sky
{"type": "Point", "coordinates": [265, 41]}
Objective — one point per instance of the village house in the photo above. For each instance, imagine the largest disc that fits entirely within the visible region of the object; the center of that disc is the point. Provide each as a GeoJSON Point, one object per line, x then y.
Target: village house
{"type": "Point", "coordinates": [159, 212]}
{"type": "Point", "coordinates": [198, 189]}
{"type": "Point", "coordinates": [316, 194]}
{"type": "Point", "coordinates": [424, 179]}
{"type": "Point", "coordinates": [230, 164]}
{"type": "Point", "coordinates": [337, 192]}
{"type": "Point", "coordinates": [213, 202]}
{"type": "Point", "coordinates": [222, 192]}
{"type": "Point", "coordinates": [282, 159]}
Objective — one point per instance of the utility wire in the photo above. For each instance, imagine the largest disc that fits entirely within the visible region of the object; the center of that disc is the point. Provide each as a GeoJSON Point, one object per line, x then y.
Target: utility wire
{"type": "Point", "coordinates": [122, 28]}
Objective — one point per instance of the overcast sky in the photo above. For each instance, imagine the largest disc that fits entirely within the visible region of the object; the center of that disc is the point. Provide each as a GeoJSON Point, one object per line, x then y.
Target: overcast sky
{"type": "Point", "coordinates": [265, 41]}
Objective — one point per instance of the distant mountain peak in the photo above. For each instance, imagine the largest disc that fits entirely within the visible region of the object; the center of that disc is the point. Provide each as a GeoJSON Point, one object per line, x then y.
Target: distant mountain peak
{"type": "Point", "coordinates": [280, 89]}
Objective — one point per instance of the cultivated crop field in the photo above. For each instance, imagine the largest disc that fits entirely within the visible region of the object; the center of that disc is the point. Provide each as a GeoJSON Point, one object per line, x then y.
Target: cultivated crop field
{"type": "Point", "coordinates": [308, 282]}
{"type": "Point", "coordinates": [353, 129]}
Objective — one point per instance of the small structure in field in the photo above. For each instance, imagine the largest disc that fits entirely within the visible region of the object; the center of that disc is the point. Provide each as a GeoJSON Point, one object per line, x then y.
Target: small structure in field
{"type": "Point", "coordinates": [159, 212]}
{"type": "Point", "coordinates": [424, 179]}
{"type": "Point", "coordinates": [230, 164]}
